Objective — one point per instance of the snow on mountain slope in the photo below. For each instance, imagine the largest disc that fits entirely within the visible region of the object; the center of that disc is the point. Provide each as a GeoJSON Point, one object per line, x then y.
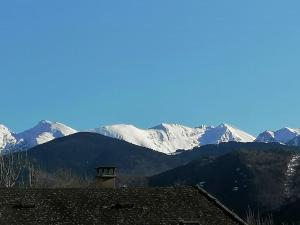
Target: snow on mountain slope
{"type": "Point", "coordinates": [7, 138]}
{"type": "Point", "coordinates": [43, 132]}
{"type": "Point", "coordinates": [225, 133]}
{"type": "Point", "coordinates": [284, 135]}
{"type": "Point", "coordinates": [165, 138]}
{"type": "Point", "coordinates": [266, 137]}
{"type": "Point", "coordinates": [168, 138]}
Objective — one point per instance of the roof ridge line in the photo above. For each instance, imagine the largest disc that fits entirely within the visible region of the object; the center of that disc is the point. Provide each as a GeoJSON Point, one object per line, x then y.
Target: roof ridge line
{"type": "Point", "coordinates": [218, 203]}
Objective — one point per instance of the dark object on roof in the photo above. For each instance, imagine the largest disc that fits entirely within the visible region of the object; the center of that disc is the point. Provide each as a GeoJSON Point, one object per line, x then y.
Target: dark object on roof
{"type": "Point", "coordinates": [106, 171]}
{"type": "Point", "coordinates": [171, 205]}
{"type": "Point", "coordinates": [106, 177]}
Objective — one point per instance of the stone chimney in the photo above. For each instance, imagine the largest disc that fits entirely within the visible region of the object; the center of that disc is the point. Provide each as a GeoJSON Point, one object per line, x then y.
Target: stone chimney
{"type": "Point", "coordinates": [106, 177]}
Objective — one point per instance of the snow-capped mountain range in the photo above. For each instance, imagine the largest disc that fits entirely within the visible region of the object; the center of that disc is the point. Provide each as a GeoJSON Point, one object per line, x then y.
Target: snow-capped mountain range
{"type": "Point", "coordinates": [166, 138]}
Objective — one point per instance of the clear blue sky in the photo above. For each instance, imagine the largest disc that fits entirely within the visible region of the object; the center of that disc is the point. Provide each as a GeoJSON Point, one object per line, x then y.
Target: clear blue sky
{"type": "Point", "coordinates": [95, 62]}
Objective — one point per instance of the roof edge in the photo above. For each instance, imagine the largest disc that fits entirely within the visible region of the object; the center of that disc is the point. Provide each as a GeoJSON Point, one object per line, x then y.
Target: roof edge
{"type": "Point", "coordinates": [219, 204]}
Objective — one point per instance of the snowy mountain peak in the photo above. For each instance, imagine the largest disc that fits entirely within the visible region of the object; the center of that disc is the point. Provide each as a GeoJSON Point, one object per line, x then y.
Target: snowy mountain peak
{"type": "Point", "coordinates": [266, 137]}
{"type": "Point", "coordinates": [168, 126]}
{"type": "Point", "coordinates": [7, 138]}
{"type": "Point", "coordinates": [224, 125]}
{"type": "Point", "coordinates": [161, 126]}
{"type": "Point", "coordinates": [283, 135]}
{"type": "Point", "coordinates": [225, 133]}
{"type": "Point", "coordinates": [202, 126]}
{"type": "Point", "coordinates": [4, 128]}
{"type": "Point", "coordinates": [43, 132]}
{"type": "Point", "coordinates": [286, 134]}
{"type": "Point", "coordinates": [45, 122]}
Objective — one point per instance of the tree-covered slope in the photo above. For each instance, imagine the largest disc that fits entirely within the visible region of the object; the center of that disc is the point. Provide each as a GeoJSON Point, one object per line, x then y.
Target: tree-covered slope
{"type": "Point", "coordinates": [241, 178]}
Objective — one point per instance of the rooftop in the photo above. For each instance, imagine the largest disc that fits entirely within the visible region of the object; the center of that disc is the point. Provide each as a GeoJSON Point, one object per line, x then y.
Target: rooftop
{"type": "Point", "coordinates": [173, 205]}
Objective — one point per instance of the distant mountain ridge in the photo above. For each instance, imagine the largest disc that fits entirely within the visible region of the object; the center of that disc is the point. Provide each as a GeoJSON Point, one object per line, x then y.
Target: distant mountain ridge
{"type": "Point", "coordinates": [165, 138]}
{"type": "Point", "coordinates": [284, 135]}
{"type": "Point", "coordinates": [168, 138]}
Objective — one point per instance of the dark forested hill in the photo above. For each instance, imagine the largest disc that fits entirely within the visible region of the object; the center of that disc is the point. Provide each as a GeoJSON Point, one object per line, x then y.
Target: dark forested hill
{"type": "Point", "coordinates": [82, 152]}
{"type": "Point", "coordinates": [241, 178]}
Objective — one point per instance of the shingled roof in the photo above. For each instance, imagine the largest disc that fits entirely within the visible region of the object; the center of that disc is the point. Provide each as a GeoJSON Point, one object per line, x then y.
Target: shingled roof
{"type": "Point", "coordinates": [173, 205]}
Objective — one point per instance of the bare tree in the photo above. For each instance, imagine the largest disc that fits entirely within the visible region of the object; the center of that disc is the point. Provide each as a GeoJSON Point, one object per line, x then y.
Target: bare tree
{"type": "Point", "coordinates": [11, 166]}
{"type": "Point", "coordinates": [33, 174]}
{"type": "Point", "coordinates": [253, 218]}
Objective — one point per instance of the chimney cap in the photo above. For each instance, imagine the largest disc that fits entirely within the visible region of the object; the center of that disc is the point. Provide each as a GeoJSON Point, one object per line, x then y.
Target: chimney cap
{"type": "Point", "coordinates": [106, 167]}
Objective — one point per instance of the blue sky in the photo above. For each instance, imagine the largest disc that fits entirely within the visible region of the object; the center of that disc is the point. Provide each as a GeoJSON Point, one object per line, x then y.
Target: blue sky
{"type": "Point", "coordinates": [91, 63]}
